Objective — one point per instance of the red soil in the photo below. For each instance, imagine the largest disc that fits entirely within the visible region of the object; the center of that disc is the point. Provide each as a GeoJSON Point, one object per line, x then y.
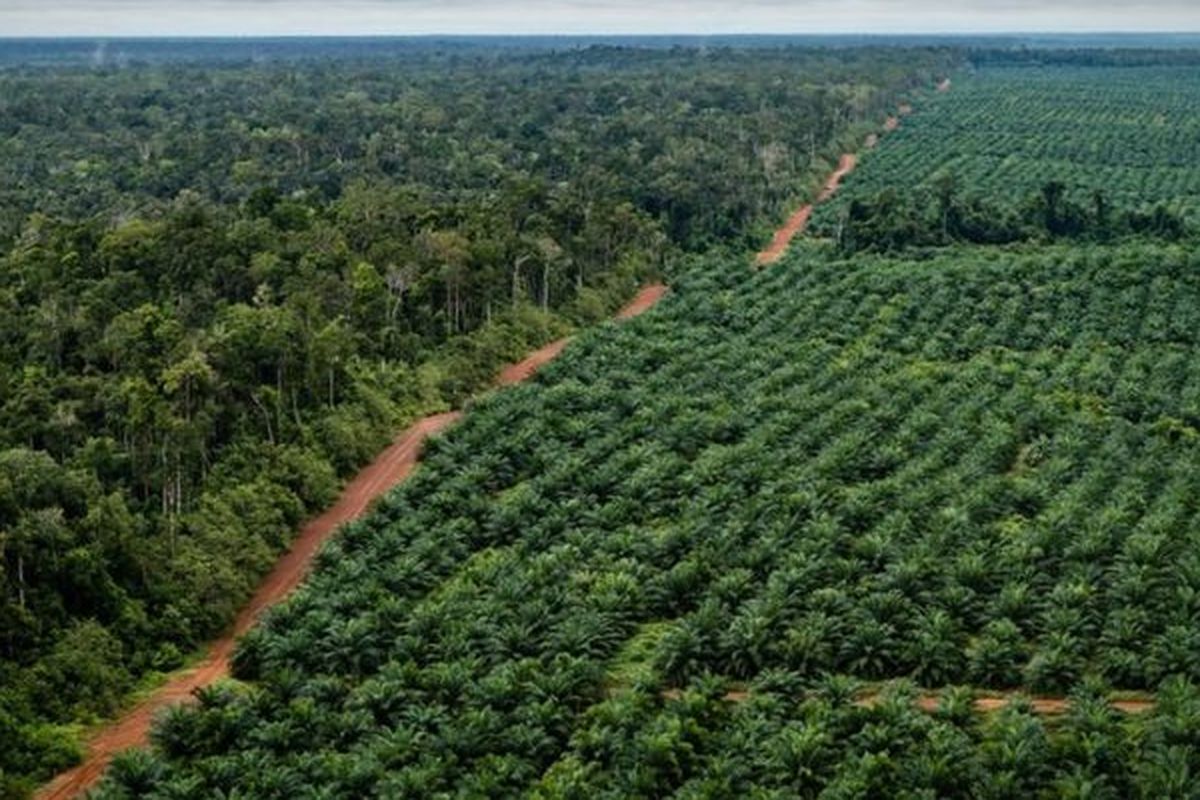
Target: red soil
{"type": "Point", "coordinates": [796, 223]}
{"type": "Point", "coordinates": [799, 220]}
{"type": "Point", "coordinates": [1043, 706]}
{"type": "Point", "coordinates": [523, 370]}
{"type": "Point", "coordinates": [391, 467]}
{"type": "Point", "coordinates": [1051, 706]}
{"type": "Point", "coordinates": [845, 166]}
{"type": "Point", "coordinates": [388, 469]}
{"type": "Point", "coordinates": [642, 302]}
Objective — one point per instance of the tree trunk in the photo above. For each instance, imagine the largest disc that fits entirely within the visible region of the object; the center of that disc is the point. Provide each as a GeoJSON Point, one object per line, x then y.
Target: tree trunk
{"type": "Point", "coordinates": [20, 580]}
{"type": "Point", "coordinates": [178, 487]}
{"type": "Point", "coordinates": [165, 491]}
{"type": "Point", "coordinates": [266, 416]}
{"type": "Point", "coordinates": [516, 278]}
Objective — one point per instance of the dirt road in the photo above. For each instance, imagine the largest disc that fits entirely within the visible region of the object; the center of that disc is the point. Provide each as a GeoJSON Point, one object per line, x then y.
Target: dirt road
{"type": "Point", "coordinates": [799, 220]}
{"type": "Point", "coordinates": [643, 301]}
{"type": "Point", "coordinates": [391, 467]}
{"type": "Point", "coordinates": [1043, 706]}
{"type": "Point", "coordinates": [522, 370]}
{"type": "Point", "coordinates": [388, 469]}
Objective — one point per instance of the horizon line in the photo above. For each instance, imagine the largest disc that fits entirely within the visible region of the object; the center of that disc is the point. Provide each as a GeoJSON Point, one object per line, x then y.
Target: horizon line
{"type": "Point", "coordinates": [601, 34]}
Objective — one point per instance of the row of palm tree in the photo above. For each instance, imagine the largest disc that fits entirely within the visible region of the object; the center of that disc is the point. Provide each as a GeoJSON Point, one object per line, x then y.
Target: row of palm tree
{"type": "Point", "coordinates": [817, 471]}
{"type": "Point", "coordinates": [1108, 138]}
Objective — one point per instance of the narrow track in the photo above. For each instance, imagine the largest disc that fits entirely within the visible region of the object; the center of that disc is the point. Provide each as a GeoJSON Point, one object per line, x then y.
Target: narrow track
{"type": "Point", "coordinates": [797, 223]}
{"type": "Point", "coordinates": [391, 467]}
{"type": "Point", "coordinates": [522, 370]}
{"type": "Point", "coordinates": [930, 702]}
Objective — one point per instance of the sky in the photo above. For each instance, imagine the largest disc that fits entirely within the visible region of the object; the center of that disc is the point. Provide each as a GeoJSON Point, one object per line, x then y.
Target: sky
{"type": "Point", "coordinates": [404, 17]}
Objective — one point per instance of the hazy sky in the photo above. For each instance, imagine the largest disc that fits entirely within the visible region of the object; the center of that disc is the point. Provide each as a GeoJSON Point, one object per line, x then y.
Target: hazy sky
{"type": "Point", "coordinates": [249, 17]}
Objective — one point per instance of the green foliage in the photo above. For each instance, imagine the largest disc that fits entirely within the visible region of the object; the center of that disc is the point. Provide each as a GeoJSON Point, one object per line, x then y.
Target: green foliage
{"type": "Point", "coordinates": [225, 287]}
{"type": "Point", "coordinates": [665, 567]}
{"type": "Point", "coordinates": [86, 668]}
{"type": "Point", "coordinates": [944, 471]}
{"type": "Point", "coordinates": [892, 222]}
{"type": "Point", "coordinates": [1121, 139]}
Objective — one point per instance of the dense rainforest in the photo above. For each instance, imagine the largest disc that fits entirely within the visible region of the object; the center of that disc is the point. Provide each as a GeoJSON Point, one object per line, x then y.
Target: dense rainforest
{"type": "Point", "coordinates": [224, 286]}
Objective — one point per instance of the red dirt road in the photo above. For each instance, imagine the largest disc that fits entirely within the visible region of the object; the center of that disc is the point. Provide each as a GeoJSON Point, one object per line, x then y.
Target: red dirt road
{"type": "Point", "coordinates": [391, 467]}
{"type": "Point", "coordinates": [388, 469]}
{"type": "Point", "coordinates": [799, 220]}
{"type": "Point", "coordinates": [845, 166]}
{"type": "Point", "coordinates": [523, 370]}
{"type": "Point", "coordinates": [642, 302]}
{"type": "Point", "coordinates": [797, 223]}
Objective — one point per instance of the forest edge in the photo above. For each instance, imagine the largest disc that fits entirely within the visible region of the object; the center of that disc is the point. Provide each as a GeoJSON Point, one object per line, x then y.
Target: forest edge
{"type": "Point", "coordinates": [389, 469]}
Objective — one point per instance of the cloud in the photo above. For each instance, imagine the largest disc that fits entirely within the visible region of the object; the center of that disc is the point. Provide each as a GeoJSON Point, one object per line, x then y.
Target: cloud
{"type": "Point", "coordinates": [258, 17]}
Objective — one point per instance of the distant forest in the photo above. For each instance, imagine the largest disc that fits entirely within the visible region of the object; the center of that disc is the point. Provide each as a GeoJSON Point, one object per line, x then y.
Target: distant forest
{"type": "Point", "coordinates": [125, 52]}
